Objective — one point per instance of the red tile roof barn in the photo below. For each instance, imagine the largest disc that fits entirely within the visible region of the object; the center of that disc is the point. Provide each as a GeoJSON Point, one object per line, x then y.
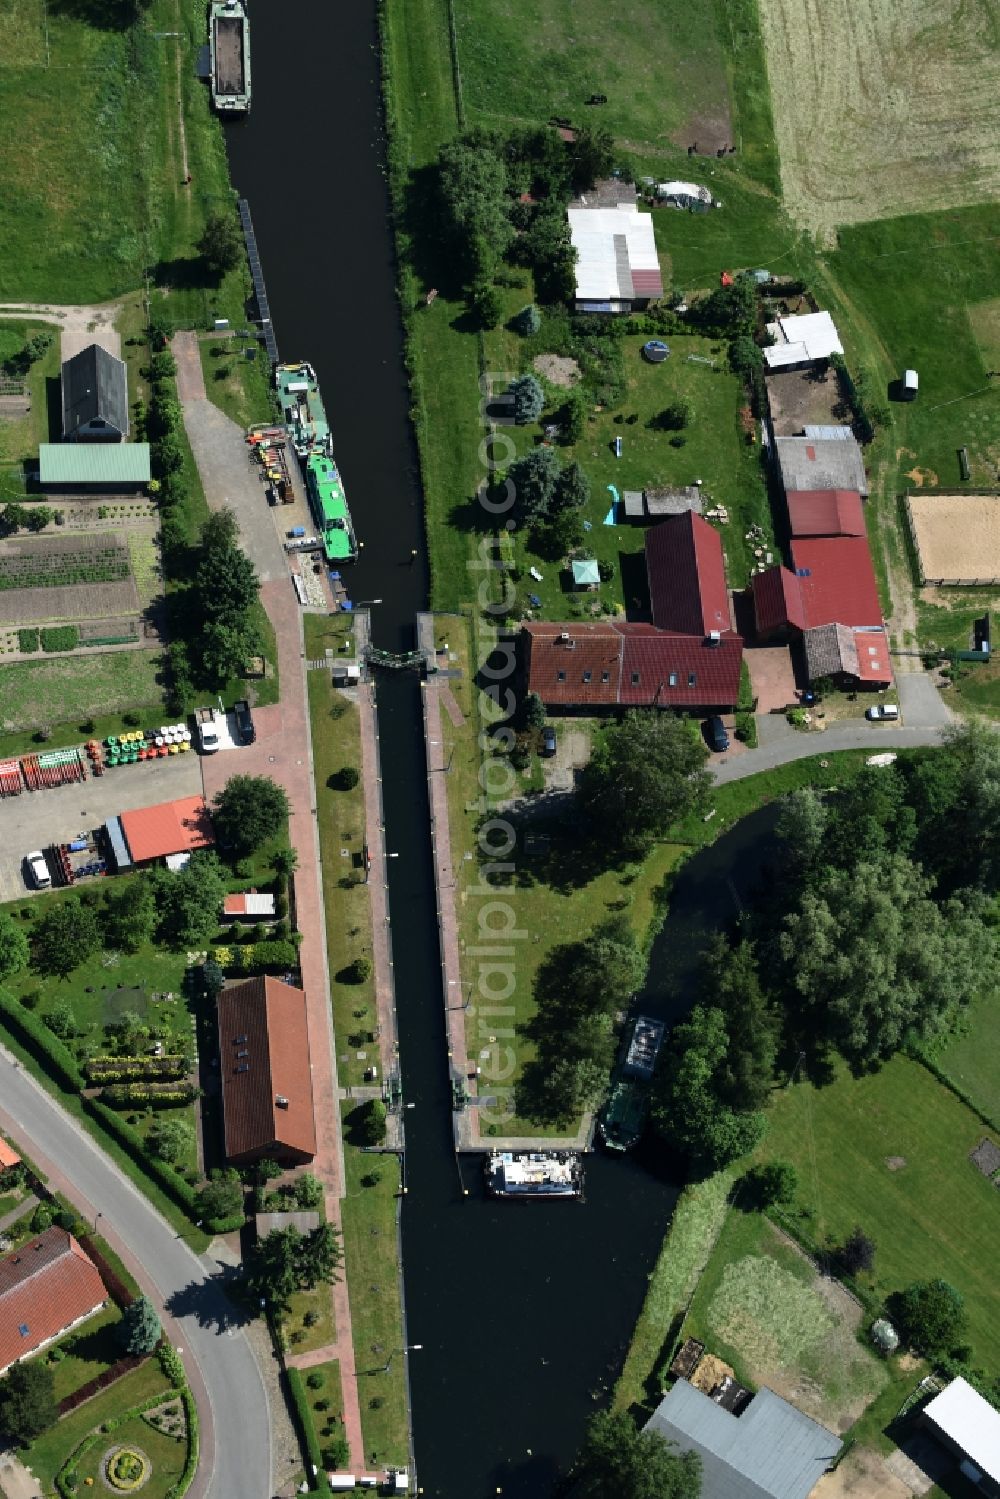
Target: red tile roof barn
{"type": "Point", "coordinates": [611, 664]}
{"type": "Point", "coordinates": [837, 581]}
{"type": "Point", "coordinates": [777, 601]}
{"type": "Point", "coordinates": [45, 1287]}
{"type": "Point", "coordinates": [267, 1099]}
{"type": "Point", "coordinates": [825, 512]}
{"type": "Point", "coordinates": [687, 576]}
{"type": "Point", "coordinates": [8, 1157]}
{"type": "Point", "coordinates": [169, 828]}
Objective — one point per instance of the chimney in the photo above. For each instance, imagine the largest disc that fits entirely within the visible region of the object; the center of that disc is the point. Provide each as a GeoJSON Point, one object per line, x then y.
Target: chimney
{"type": "Point", "coordinates": [714, 637]}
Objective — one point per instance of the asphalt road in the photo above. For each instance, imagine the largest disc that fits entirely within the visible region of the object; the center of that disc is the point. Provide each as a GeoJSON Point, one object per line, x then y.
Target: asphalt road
{"type": "Point", "coordinates": [227, 1383]}
{"type": "Point", "coordinates": [876, 738]}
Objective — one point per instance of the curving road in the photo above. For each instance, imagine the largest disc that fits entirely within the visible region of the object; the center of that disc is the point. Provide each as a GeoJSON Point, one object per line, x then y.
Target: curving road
{"type": "Point", "coordinates": [202, 1321]}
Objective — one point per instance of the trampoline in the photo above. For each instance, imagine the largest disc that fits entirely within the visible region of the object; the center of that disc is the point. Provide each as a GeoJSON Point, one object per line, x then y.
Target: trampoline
{"type": "Point", "coordinates": [656, 351]}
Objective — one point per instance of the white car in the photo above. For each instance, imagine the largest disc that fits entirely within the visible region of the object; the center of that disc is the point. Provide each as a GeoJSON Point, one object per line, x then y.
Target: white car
{"type": "Point", "coordinates": [880, 711]}
{"type": "Point", "coordinates": [38, 869]}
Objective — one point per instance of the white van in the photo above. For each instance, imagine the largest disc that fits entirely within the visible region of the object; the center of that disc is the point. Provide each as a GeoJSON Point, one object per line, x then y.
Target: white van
{"type": "Point", "coordinates": [38, 870]}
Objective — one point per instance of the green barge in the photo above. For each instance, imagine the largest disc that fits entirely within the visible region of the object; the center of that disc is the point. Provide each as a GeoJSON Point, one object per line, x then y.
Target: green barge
{"type": "Point", "coordinates": [623, 1118]}
{"type": "Point", "coordinates": [309, 433]}
{"type": "Point", "coordinates": [229, 47]}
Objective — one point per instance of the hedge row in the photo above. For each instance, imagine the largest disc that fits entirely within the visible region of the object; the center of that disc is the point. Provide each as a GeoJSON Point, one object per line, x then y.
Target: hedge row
{"type": "Point", "coordinates": [194, 1443]}
{"type": "Point", "coordinates": [46, 1048]}
{"type": "Point", "coordinates": [307, 1431]}
{"type": "Point", "coordinates": [121, 1294]}
{"type": "Point", "coordinates": [172, 1364]}
{"type": "Point", "coordinates": [133, 1143]}
{"type": "Point", "coordinates": [229, 1225]}
{"type": "Point", "coordinates": [102, 1381]}
{"type": "Point", "coordinates": [154, 1095]}
{"type": "Point", "coordinates": [127, 1069]}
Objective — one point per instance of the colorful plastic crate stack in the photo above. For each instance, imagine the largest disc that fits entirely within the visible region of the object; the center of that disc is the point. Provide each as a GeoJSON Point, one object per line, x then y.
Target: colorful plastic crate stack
{"type": "Point", "coordinates": [11, 783]}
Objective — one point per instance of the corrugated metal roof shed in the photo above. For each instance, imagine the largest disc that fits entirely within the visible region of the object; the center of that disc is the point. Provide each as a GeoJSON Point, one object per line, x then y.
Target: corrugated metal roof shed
{"type": "Point", "coordinates": [125, 463]}
{"type": "Point", "coordinates": [771, 1451]}
{"type": "Point", "coordinates": [962, 1415]}
{"type": "Point", "coordinates": [820, 463]}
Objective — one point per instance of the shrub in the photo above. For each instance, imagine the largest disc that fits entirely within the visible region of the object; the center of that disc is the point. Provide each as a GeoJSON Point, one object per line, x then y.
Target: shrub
{"type": "Point", "coordinates": [172, 1365]}
{"type": "Point", "coordinates": [307, 1433]}
{"type": "Point", "coordinates": [856, 1254]}
{"type": "Point", "coordinates": [336, 1454]}
{"type": "Point", "coordinates": [315, 1380]}
{"type": "Point", "coordinates": [357, 972]}
{"type": "Point", "coordinates": [369, 1122]}
{"type": "Point", "coordinates": [930, 1315]}
{"type": "Point", "coordinates": [527, 321]}
{"type": "Point", "coordinates": [60, 638]}
{"type": "Point", "coordinates": [41, 1218]}
{"type": "Point", "coordinates": [770, 1185]}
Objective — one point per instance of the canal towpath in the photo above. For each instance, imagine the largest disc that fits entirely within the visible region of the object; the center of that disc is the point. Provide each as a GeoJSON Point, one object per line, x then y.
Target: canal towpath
{"type": "Point", "coordinates": [282, 750]}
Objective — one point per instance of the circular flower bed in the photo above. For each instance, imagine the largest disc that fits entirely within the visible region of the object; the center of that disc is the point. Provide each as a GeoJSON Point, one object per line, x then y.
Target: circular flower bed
{"type": "Point", "coordinates": [126, 1469]}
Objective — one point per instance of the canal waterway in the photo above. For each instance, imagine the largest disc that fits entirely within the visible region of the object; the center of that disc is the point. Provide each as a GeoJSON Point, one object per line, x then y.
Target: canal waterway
{"type": "Point", "coordinates": [523, 1311]}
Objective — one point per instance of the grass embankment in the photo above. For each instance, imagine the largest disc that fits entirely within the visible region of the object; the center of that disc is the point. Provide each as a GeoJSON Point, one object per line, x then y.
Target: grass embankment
{"type": "Point", "coordinates": [336, 741]}
{"type": "Point", "coordinates": [443, 358]}
{"type": "Point", "coordinates": [46, 1455]}
{"type": "Point", "coordinates": [891, 1152]}
{"type": "Point", "coordinates": [694, 1228]}
{"type": "Point", "coordinates": [370, 1214]}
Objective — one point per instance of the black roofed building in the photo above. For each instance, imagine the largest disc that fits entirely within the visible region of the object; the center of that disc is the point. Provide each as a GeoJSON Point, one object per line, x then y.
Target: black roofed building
{"type": "Point", "coordinates": [94, 397]}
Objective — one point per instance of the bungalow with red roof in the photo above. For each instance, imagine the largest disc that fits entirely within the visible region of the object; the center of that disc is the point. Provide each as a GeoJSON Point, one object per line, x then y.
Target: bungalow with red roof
{"type": "Point", "coordinates": [47, 1287]}
{"type": "Point", "coordinates": [689, 658]}
{"type": "Point", "coordinates": [267, 1097]}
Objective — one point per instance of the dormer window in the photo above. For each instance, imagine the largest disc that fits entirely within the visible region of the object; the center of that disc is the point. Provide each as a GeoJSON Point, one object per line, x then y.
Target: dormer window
{"type": "Point", "coordinates": [587, 676]}
{"type": "Point", "coordinates": [560, 676]}
{"type": "Point", "coordinates": [635, 679]}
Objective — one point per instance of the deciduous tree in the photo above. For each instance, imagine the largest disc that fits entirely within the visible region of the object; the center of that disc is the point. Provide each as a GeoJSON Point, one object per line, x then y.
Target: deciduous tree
{"type": "Point", "coordinates": [14, 948]}
{"type": "Point", "coordinates": [930, 1315]}
{"type": "Point", "coordinates": [189, 900]}
{"type": "Point", "coordinates": [248, 811]}
{"type": "Point", "coordinates": [221, 244]}
{"type": "Point", "coordinates": [65, 937]}
{"type": "Point", "coordinates": [27, 1402]}
{"type": "Point", "coordinates": [618, 1461]}
{"type": "Point", "coordinates": [645, 773]}
{"type": "Point", "coordinates": [129, 915]}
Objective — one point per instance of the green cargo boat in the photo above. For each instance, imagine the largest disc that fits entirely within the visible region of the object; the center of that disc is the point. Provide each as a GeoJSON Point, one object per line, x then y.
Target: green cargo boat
{"type": "Point", "coordinates": [307, 427]}
{"type": "Point", "coordinates": [229, 45]}
{"type": "Point", "coordinates": [623, 1118]}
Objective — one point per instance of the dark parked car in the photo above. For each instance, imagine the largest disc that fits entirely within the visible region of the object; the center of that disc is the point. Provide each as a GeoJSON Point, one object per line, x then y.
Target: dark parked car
{"type": "Point", "coordinates": [715, 733]}
{"type": "Point", "coordinates": [548, 741]}
{"type": "Point", "coordinates": [244, 722]}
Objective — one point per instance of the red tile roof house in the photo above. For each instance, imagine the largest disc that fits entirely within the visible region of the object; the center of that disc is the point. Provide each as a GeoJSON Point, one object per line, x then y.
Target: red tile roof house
{"type": "Point", "coordinates": [47, 1287]}
{"type": "Point", "coordinates": [828, 599]}
{"type": "Point", "coordinates": [267, 1098]}
{"type": "Point", "coordinates": [9, 1157]}
{"type": "Point", "coordinates": [689, 658]}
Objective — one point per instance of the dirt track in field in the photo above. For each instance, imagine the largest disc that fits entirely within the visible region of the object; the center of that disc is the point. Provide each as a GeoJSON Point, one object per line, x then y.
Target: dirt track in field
{"type": "Point", "coordinates": [883, 107]}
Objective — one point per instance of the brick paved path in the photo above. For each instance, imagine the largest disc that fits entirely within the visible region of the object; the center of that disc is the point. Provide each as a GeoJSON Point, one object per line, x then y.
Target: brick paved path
{"type": "Point", "coordinates": [282, 750]}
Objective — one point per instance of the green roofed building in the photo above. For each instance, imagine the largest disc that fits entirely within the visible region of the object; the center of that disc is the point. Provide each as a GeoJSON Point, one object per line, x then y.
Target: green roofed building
{"type": "Point", "coordinates": [96, 466]}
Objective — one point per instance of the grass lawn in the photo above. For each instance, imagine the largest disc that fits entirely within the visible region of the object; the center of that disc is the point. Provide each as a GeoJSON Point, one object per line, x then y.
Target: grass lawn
{"type": "Point", "coordinates": [19, 439]}
{"type": "Point", "coordinates": [88, 1351]}
{"type": "Point", "coordinates": [663, 73]}
{"type": "Point", "coordinates": [238, 386]}
{"type": "Point", "coordinates": [372, 1273]}
{"type": "Point", "coordinates": [760, 1306]}
{"type": "Point", "coordinates": [921, 289]}
{"type": "Point", "coordinates": [969, 1058]}
{"type": "Point", "coordinates": [934, 1216]}
{"type": "Point", "coordinates": [46, 1455]}
{"type": "Point", "coordinates": [317, 1303]}
{"type": "Point", "coordinates": [72, 689]}
{"type": "Point", "coordinates": [736, 799]}
{"type": "Point", "coordinates": [167, 1454]}
{"type": "Point", "coordinates": [327, 1423]}
{"type": "Point", "coordinates": [336, 743]}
